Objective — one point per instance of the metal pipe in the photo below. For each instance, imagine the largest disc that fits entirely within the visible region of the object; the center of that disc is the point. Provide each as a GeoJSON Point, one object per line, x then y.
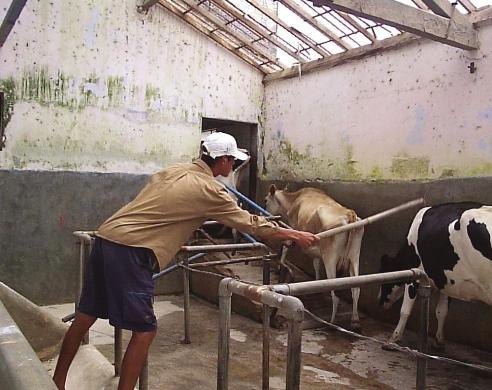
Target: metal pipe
{"type": "Point", "coordinates": [248, 201]}
{"type": "Point", "coordinates": [234, 261]}
{"type": "Point", "coordinates": [291, 306]}
{"type": "Point", "coordinates": [266, 269]}
{"type": "Point", "coordinates": [222, 247]}
{"type": "Point", "coordinates": [143, 379]}
{"type": "Point", "coordinates": [212, 240]}
{"type": "Point", "coordinates": [424, 293]}
{"type": "Point", "coordinates": [174, 267]}
{"type": "Point", "coordinates": [186, 293]}
{"type": "Point", "coordinates": [269, 217]}
{"type": "Point", "coordinates": [371, 219]}
{"type": "Point", "coordinates": [265, 361]}
{"type": "Point", "coordinates": [257, 207]}
{"type": "Point", "coordinates": [317, 286]}
{"type": "Point", "coordinates": [293, 372]}
{"type": "Point", "coordinates": [224, 334]}
{"type": "Point", "coordinates": [118, 350]}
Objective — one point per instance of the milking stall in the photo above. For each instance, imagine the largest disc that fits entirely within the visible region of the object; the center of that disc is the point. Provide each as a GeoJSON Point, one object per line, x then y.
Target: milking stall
{"type": "Point", "coordinates": [365, 123]}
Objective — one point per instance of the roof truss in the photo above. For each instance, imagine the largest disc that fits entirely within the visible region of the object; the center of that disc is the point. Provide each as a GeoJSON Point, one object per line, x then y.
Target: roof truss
{"type": "Point", "coordinates": [285, 37]}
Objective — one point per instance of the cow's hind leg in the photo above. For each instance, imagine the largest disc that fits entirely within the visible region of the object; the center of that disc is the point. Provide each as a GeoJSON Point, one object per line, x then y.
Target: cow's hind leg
{"type": "Point", "coordinates": [406, 310]}
{"type": "Point", "coordinates": [331, 250]}
{"type": "Point", "coordinates": [317, 268]}
{"type": "Point", "coordinates": [355, 240]}
{"type": "Point", "coordinates": [441, 313]}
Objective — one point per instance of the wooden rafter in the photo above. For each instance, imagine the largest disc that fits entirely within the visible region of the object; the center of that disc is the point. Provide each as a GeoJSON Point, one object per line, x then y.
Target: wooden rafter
{"type": "Point", "coordinates": [241, 37]}
{"type": "Point", "coordinates": [409, 19]}
{"type": "Point", "coordinates": [322, 52]}
{"type": "Point", "coordinates": [363, 31]}
{"type": "Point", "coordinates": [341, 58]}
{"type": "Point", "coordinates": [294, 7]}
{"type": "Point", "coordinates": [10, 18]}
{"type": "Point", "coordinates": [260, 30]}
{"type": "Point", "coordinates": [188, 17]}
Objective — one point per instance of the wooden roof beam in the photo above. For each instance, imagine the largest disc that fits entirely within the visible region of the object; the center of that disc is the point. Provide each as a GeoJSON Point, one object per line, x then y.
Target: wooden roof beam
{"type": "Point", "coordinates": [446, 9]}
{"type": "Point", "coordinates": [406, 18]}
{"type": "Point", "coordinates": [241, 37]}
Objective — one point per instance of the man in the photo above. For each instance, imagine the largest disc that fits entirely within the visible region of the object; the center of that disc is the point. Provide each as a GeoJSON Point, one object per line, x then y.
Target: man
{"type": "Point", "coordinates": [144, 236]}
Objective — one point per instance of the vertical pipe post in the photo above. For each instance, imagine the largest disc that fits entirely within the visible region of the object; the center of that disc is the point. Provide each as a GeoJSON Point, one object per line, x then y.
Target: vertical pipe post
{"type": "Point", "coordinates": [266, 348]}
{"type": "Point", "coordinates": [266, 331]}
{"type": "Point", "coordinates": [82, 264]}
{"type": "Point", "coordinates": [294, 355]}
{"type": "Point", "coordinates": [143, 379]}
{"type": "Point", "coordinates": [118, 350]}
{"type": "Point", "coordinates": [186, 293]}
{"type": "Point", "coordinates": [424, 293]}
{"type": "Point", "coordinates": [266, 271]}
{"type": "Point", "coordinates": [224, 334]}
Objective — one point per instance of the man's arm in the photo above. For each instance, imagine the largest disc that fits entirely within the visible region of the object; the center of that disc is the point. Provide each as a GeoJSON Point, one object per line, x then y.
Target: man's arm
{"type": "Point", "coordinates": [301, 238]}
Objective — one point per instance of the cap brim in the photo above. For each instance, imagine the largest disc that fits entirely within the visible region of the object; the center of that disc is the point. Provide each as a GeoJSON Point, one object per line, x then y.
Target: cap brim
{"type": "Point", "coordinates": [240, 155]}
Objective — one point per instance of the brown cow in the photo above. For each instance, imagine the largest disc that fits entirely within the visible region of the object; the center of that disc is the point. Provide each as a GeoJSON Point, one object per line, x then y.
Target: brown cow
{"type": "Point", "coordinates": [312, 210]}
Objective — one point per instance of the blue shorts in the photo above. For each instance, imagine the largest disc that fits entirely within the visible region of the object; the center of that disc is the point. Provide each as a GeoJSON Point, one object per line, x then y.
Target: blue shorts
{"type": "Point", "coordinates": [118, 285]}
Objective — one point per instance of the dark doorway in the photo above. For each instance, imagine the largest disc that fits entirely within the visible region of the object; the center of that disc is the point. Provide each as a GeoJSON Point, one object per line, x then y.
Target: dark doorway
{"type": "Point", "coordinates": [246, 135]}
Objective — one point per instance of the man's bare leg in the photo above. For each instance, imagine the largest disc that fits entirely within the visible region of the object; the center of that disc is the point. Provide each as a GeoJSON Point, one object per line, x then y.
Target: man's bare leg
{"type": "Point", "coordinates": [134, 358]}
{"type": "Point", "coordinates": [70, 346]}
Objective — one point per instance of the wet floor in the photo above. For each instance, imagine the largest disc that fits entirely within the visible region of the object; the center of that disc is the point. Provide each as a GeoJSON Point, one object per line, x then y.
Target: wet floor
{"type": "Point", "coordinates": [329, 359]}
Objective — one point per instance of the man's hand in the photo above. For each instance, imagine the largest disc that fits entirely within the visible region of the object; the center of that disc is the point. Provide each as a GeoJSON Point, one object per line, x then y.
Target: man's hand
{"type": "Point", "coordinates": [304, 239]}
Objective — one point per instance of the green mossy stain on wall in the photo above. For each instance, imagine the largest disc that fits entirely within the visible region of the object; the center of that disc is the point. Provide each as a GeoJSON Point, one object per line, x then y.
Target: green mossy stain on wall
{"type": "Point", "coordinates": [116, 90]}
{"type": "Point", "coordinates": [151, 94]}
{"type": "Point", "coordinates": [9, 90]}
{"type": "Point", "coordinates": [346, 168]}
{"type": "Point", "coordinates": [293, 156]}
{"type": "Point", "coordinates": [406, 167]}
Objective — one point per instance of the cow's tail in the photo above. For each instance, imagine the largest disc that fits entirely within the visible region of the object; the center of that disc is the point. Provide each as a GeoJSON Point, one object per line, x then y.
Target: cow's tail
{"type": "Point", "coordinates": [343, 264]}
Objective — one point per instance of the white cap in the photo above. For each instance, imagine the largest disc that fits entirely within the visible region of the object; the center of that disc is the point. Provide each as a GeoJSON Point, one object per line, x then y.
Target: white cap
{"type": "Point", "coordinates": [222, 144]}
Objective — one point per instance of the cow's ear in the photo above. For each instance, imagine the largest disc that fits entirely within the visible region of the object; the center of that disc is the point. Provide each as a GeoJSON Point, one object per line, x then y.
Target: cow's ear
{"type": "Point", "coordinates": [272, 189]}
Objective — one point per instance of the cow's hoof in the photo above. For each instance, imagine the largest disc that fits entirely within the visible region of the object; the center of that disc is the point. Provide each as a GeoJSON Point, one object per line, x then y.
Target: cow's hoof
{"type": "Point", "coordinates": [355, 326]}
{"type": "Point", "coordinates": [388, 346]}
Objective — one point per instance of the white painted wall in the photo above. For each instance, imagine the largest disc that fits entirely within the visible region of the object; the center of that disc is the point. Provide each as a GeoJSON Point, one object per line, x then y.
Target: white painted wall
{"type": "Point", "coordinates": [416, 112]}
{"type": "Point", "coordinates": [96, 86]}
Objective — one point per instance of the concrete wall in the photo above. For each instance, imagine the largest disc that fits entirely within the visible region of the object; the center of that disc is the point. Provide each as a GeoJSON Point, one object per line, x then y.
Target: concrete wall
{"type": "Point", "coordinates": [96, 86]}
{"type": "Point", "coordinates": [412, 113]}
{"type": "Point", "coordinates": [99, 96]}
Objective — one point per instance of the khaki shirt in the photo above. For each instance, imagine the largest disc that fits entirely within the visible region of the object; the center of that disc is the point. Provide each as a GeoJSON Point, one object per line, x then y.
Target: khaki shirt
{"type": "Point", "coordinates": [172, 205]}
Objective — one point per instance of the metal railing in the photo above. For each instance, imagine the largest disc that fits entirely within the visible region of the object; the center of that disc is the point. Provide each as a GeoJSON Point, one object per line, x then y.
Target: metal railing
{"type": "Point", "coordinates": [280, 296]}
{"type": "Point", "coordinates": [84, 241]}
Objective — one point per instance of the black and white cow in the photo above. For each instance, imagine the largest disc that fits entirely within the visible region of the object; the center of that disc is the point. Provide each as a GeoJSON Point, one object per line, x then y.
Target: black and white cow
{"type": "Point", "coordinates": [452, 243]}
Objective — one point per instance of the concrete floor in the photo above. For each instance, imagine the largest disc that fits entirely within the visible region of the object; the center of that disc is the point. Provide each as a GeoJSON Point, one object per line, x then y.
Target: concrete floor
{"type": "Point", "coordinates": [329, 359]}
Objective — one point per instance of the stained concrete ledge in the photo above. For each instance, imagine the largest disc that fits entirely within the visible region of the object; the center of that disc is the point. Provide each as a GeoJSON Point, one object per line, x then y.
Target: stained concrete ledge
{"type": "Point", "coordinates": [29, 334]}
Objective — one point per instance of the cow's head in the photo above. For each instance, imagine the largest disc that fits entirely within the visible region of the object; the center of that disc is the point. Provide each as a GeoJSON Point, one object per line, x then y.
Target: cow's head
{"type": "Point", "coordinates": [272, 202]}
{"type": "Point", "coordinates": [391, 292]}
